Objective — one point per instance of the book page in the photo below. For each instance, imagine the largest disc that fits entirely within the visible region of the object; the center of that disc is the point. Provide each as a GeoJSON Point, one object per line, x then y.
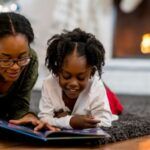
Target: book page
{"type": "Point", "coordinates": [84, 132]}
{"type": "Point", "coordinates": [20, 129]}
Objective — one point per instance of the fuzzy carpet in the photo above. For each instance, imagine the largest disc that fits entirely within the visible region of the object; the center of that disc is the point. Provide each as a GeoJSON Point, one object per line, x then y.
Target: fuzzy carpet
{"type": "Point", "coordinates": [133, 122]}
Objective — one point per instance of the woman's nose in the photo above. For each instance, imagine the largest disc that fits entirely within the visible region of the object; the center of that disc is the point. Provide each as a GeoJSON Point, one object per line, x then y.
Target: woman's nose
{"type": "Point", "coordinates": [15, 66]}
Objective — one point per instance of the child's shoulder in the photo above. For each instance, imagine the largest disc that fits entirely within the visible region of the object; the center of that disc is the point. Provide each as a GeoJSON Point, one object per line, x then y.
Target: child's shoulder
{"type": "Point", "coordinates": [50, 80]}
{"type": "Point", "coordinates": [96, 84]}
{"type": "Point", "coordinates": [51, 86]}
{"type": "Point", "coordinates": [96, 81]}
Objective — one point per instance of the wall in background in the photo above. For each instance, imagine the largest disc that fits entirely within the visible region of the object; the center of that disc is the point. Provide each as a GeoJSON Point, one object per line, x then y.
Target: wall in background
{"type": "Point", "coordinates": [49, 17]}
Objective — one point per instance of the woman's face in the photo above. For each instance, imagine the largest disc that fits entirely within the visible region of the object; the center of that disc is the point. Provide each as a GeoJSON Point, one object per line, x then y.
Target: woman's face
{"type": "Point", "coordinates": [12, 47]}
{"type": "Point", "coordinates": [74, 75]}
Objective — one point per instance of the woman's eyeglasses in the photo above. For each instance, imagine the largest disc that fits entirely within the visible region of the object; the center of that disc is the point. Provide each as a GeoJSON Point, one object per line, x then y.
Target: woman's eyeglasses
{"type": "Point", "coordinates": [7, 63]}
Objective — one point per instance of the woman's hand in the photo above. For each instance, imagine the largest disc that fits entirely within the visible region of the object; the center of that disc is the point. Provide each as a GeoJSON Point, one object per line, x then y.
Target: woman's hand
{"type": "Point", "coordinates": [30, 118]}
{"type": "Point", "coordinates": [83, 121]}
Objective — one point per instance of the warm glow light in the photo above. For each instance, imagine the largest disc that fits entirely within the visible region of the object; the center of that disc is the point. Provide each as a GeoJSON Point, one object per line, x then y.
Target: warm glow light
{"type": "Point", "coordinates": [145, 44]}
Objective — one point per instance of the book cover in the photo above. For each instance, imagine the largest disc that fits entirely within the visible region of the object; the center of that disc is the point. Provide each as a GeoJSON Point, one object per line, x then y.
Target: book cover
{"type": "Point", "coordinates": [47, 135]}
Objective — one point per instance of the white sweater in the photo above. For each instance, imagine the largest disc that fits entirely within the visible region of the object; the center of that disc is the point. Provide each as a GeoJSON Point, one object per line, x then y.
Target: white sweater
{"type": "Point", "coordinates": [92, 100]}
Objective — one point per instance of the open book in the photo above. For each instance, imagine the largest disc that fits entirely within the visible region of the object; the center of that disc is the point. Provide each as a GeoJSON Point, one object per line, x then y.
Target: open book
{"type": "Point", "coordinates": [47, 135]}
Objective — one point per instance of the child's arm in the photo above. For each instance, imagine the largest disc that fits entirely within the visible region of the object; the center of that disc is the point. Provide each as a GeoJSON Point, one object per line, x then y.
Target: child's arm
{"type": "Point", "coordinates": [47, 107]}
{"type": "Point", "coordinates": [48, 116]}
{"type": "Point", "coordinates": [60, 113]}
{"type": "Point", "coordinates": [78, 121]}
{"type": "Point", "coordinates": [100, 108]}
{"type": "Point", "coordinates": [83, 121]}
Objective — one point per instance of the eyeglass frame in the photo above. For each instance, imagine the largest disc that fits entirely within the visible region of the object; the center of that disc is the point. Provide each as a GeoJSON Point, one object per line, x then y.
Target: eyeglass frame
{"type": "Point", "coordinates": [15, 61]}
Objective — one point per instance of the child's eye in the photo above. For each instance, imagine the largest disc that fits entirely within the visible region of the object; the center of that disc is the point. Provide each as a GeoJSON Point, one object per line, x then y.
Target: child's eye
{"type": "Point", "coordinates": [66, 76]}
{"type": "Point", "coordinates": [81, 78]}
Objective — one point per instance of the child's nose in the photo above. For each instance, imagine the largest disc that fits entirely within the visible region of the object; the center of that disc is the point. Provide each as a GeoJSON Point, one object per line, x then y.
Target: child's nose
{"type": "Point", "coordinates": [74, 83]}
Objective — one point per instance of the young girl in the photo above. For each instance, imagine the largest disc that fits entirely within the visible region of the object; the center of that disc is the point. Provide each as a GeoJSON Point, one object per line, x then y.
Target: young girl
{"type": "Point", "coordinates": [74, 96]}
{"type": "Point", "coordinates": [18, 70]}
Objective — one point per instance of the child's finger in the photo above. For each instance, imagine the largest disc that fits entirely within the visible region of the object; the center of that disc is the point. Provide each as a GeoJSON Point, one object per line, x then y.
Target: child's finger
{"type": "Point", "coordinates": [52, 128]}
{"type": "Point", "coordinates": [89, 125]}
{"type": "Point", "coordinates": [92, 121]}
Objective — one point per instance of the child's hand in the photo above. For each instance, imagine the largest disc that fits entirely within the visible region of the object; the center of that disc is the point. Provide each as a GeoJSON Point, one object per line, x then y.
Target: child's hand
{"type": "Point", "coordinates": [61, 113]}
{"type": "Point", "coordinates": [83, 121]}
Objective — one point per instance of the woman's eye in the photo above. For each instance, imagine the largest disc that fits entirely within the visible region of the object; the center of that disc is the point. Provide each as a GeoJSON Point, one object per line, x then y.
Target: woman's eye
{"type": "Point", "coordinates": [23, 56]}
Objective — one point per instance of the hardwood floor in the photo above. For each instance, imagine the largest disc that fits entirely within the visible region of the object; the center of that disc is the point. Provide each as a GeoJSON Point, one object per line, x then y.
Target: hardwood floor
{"type": "Point", "coordinates": [141, 143]}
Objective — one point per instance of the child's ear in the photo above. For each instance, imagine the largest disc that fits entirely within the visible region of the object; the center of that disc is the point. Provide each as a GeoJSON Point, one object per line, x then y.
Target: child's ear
{"type": "Point", "coordinates": [93, 71]}
{"type": "Point", "coordinates": [56, 74]}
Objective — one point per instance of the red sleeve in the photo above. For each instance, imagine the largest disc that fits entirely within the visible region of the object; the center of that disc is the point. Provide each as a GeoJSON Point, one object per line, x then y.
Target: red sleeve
{"type": "Point", "coordinates": [115, 105]}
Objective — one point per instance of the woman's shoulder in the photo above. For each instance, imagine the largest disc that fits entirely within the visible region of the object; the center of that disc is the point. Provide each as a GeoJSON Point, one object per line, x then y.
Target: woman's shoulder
{"type": "Point", "coordinates": [33, 65]}
{"type": "Point", "coordinates": [33, 54]}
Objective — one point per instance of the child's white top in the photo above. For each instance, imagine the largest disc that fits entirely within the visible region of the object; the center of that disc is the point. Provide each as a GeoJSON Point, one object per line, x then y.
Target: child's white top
{"type": "Point", "coordinates": [92, 100]}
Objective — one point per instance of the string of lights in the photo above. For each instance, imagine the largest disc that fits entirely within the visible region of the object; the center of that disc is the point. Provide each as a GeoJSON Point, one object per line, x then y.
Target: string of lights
{"type": "Point", "coordinates": [9, 5]}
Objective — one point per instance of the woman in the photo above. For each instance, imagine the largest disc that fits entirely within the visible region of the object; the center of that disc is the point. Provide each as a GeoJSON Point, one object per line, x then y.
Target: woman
{"type": "Point", "coordinates": [18, 70]}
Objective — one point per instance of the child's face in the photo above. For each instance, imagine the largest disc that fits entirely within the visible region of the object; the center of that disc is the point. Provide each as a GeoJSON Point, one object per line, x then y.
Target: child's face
{"type": "Point", "coordinates": [12, 48]}
{"type": "Point", "coordinates": [74, 75]}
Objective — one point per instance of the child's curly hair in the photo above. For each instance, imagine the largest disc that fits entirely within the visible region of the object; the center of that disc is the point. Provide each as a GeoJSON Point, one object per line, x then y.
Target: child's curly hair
{"type": "Point", "coordinates": [61, 45]}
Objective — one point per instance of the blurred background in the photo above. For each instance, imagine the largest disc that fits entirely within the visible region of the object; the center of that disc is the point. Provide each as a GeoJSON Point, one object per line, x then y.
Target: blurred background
{"type": "Point", "coordinates": [123, 26]}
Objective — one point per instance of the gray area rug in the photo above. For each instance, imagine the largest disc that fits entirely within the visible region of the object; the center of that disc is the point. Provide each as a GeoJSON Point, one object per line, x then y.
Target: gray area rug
{"type": "Point", "coordinates": [133, 122]}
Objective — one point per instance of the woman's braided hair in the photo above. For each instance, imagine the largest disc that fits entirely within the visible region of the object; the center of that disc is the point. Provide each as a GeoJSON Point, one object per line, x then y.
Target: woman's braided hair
{"type": "Point", "coordinates": [13, 23]}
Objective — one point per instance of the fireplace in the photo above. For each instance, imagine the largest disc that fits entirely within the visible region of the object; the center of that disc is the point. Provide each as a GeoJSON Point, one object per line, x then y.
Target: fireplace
{"type": "Point", "coordinates": [130, 30]}
{"type": "Point", "coordinates": [128, 69]}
